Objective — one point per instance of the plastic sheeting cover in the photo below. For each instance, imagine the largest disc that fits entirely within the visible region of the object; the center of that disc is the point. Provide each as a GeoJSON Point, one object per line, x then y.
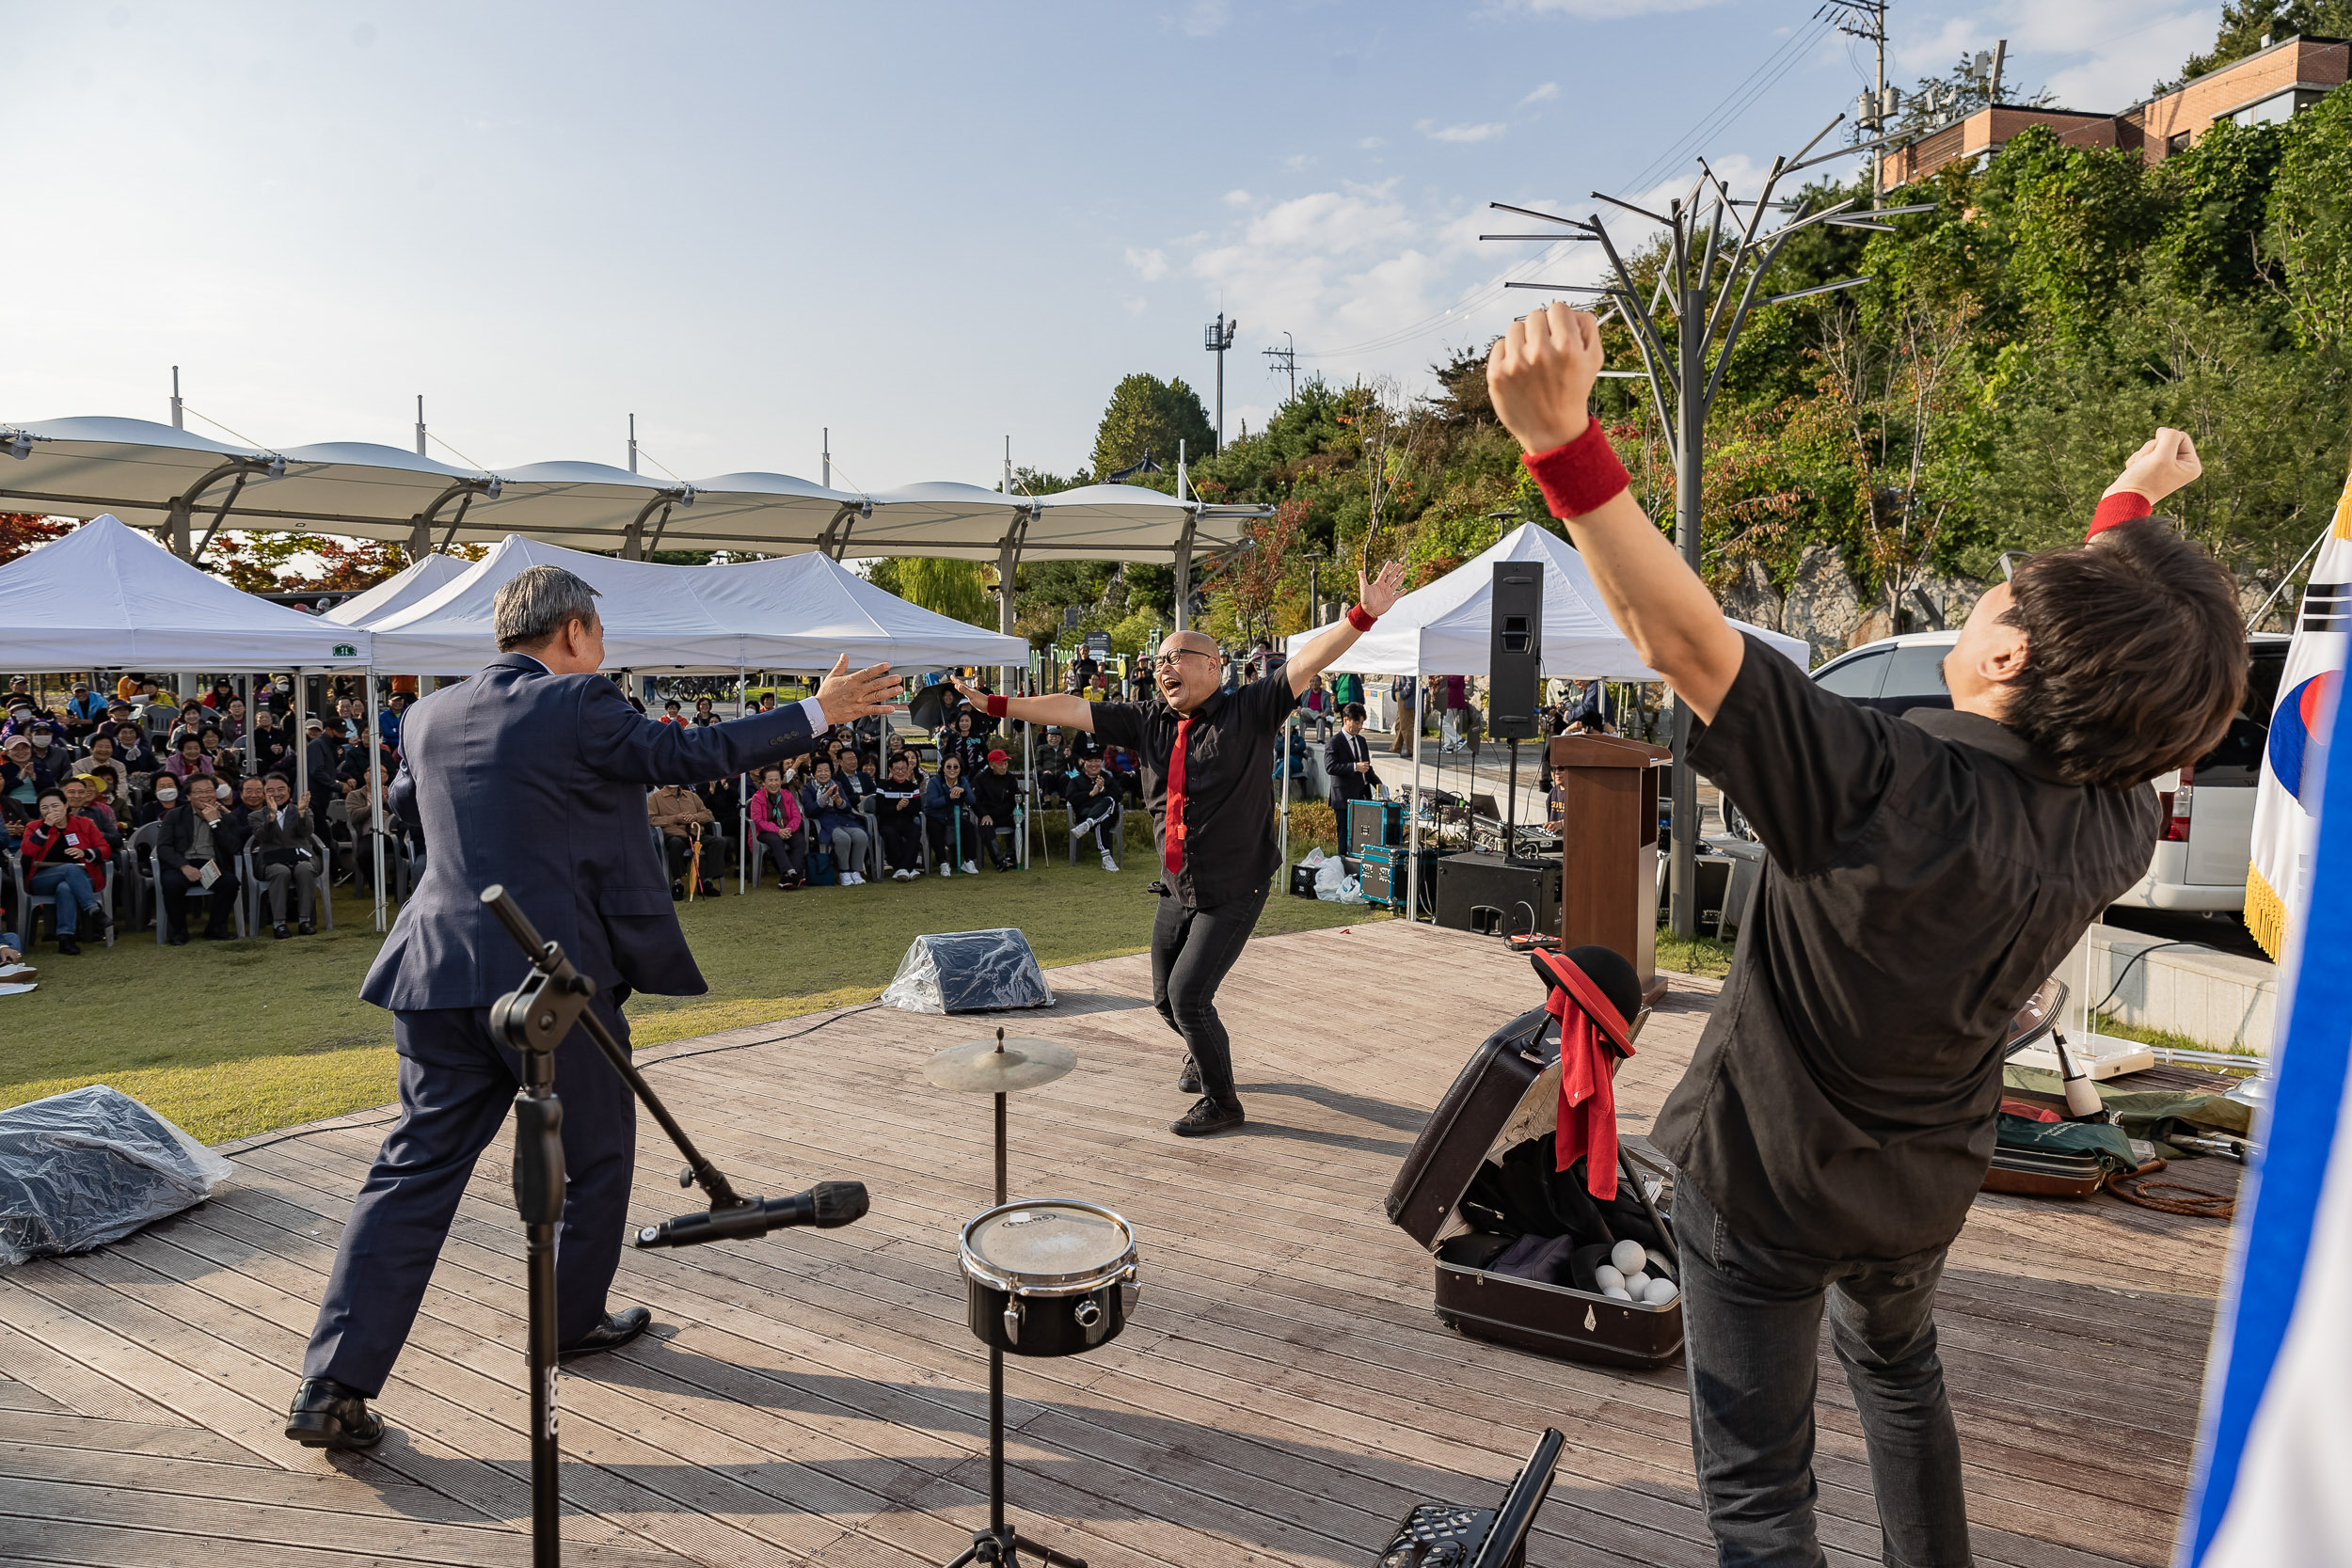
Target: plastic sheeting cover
{"type": "Point", "coordinates": [968, 972]}
{"type": "Point", "coordinates": [92, 1165]}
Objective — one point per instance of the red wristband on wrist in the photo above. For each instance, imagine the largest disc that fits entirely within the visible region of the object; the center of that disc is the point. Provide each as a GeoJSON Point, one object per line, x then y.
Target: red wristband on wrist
{"type": "Point", "coordinates": [996, 706]}
{"type": "Point", "coordinates": [1358, 617]}
{"type": "Point", "coordinates": [1580, 477]}
{"type": "Point", "coordinates": [2124, 506]}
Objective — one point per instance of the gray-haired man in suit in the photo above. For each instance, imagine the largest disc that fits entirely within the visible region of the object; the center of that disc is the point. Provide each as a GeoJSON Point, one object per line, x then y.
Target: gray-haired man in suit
{"type": "Point", "coordinates": [531, 774]}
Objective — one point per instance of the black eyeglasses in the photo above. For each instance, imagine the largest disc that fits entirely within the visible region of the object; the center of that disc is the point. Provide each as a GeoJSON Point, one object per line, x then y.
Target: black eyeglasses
{"type": "Point", "coordinates": [1164, 661]}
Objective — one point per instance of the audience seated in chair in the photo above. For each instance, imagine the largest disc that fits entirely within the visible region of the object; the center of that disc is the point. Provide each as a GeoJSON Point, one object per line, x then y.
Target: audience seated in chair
{"type": "Point", "coordinates": [830, 807]}
{"type": "Point", "coordinates": [950, 817]}
{"type": "Point", "coordinates": [284, 855]}
{"type": "Point", "coordinates": [777, 828]}
{"type": "Point", "coordinates": [996, 799]}
{"type": "Point", "coordinates": [680, 814]}
{"type": "Point", "coordinates": [898, 815]}
{"type": "Point", "coordinates": [64, 857]}
{"type": "Point", "coordinates": [195, 836]}
{"type": "Point", "coordinates": [1094, 809]}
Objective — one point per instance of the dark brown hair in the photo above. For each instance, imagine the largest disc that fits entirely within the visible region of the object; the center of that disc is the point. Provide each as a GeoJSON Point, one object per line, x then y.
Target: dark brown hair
{"type": "Point", "coordinates": [2135, 657]}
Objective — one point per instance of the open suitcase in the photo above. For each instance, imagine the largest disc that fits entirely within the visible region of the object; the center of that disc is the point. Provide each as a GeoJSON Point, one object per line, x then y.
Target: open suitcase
{"type": "Point", "coordinates": [1506, 1099]}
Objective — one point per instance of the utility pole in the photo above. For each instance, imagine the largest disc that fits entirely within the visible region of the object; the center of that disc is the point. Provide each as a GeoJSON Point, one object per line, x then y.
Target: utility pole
{"type": "Point", "coordinates": [177, 423]}
{"type": "Point", "coordinates": [419, 424]}
{"type": "Point", "coordinates": [1217, 338]}
{"type": "Point", "coordinates": [1867, 20]}
{"type": "Point", "coordinates": [632, 443]}
{"type": "Point", "coordinates": [1707, 277]}
{"type": "Point", "coordinates": [1007, 465]}
{"type": "Point", "coordinates": [1287, 359]}
{"type": "Point", "coordinates": [828, 480]}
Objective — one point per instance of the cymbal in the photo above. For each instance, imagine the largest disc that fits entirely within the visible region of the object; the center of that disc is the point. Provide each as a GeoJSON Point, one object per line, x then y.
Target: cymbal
{"type": "Point", "coordinates": [977, 1067]}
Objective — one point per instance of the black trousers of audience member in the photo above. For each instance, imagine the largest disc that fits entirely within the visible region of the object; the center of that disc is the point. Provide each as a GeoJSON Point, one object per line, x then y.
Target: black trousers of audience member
{"type": "Point", "coordinates": [219, 902]}
{"type": "Point", "coordinates": [901, 839]}
{"type": "Point", "coordinates": [1192, 951]}
{"type": "Point", "coordinates": [1752, 1316]}
{"type": "Point", "coordinates": [788, 853]}
{"type": "Point", "coordinates": [999, 837]}
{"type": "Point", "coordinates": [458, 1084]}
{"type": "Point", "coordinates": [956, 836]}
{"type": "Point", "coordinates": [1092, 816]}
{"type": "Point", "coordinates": [681, 855]}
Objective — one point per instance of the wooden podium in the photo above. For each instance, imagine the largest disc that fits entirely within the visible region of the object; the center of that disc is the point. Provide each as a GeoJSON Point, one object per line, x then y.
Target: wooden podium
{"type": "Point", "coordinates": [1609, 848]}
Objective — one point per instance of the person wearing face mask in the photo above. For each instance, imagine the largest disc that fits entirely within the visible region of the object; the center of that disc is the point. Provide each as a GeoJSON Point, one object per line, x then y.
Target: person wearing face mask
{"type": "Point", "coordinates": [22, 777]}
{"type": "Point", "coordinates": [66, 855]}
{"type": "Point", "coordinates": [166, 800]}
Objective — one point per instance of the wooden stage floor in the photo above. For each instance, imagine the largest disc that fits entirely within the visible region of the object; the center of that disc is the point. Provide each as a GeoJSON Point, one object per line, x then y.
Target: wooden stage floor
{"type": "Point", "coordinates": [1281, 1397]}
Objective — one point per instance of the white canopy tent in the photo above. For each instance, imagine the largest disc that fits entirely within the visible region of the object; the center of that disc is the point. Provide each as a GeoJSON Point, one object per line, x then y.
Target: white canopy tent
{"type": "Point", "coordinates": [796, 612]}
{"type": "Point", "coordinates": [395, 594]}
{"type": "Point", "coordinates": [106, 597]}
{"type": "Point", "coordinates": [1445, 627]}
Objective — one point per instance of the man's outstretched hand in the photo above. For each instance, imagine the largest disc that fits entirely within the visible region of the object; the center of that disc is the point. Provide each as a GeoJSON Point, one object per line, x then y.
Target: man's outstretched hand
{"type": "Point", "coordinates": [846, 696]}
{"type": "Point", "coordinates": [1382, 590]}
{"type": "Point", "coordinates": [1541, 373]}
{"type": "Point", "coordinates": [2166, 463]}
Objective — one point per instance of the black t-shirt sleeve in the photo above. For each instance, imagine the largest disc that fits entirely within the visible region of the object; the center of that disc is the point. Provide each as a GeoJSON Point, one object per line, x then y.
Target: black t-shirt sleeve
{"type": "Point", "coordinates": [1268, 701]}
{"type": "Point", "coordinates": [1807, 767]}
{"type": "Point", "coordinates": [1118, 724]}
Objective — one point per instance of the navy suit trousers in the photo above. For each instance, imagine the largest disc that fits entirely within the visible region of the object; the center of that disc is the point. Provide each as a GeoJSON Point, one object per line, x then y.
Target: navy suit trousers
{"type": "Point", "coordinates": [457, 1088]}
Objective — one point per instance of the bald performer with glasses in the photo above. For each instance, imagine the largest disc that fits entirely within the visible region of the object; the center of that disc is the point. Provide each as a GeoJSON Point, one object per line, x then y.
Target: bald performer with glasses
{"type": "Point", "coordinates": [1207, 765]}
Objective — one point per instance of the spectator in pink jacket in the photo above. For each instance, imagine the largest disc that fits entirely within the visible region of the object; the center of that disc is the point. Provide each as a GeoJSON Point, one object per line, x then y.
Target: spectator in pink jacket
{"type": "Point", "coordinates": [776, 821]}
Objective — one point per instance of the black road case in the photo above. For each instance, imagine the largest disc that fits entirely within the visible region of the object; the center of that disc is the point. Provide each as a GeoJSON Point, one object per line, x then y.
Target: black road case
{"type": "Point", "coordinates": [1384, 877]}
{"type": "Point", "coordinates": [1503, 1100]}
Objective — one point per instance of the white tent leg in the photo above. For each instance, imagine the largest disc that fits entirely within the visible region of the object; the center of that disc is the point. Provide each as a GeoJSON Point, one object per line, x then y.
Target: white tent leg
{"type": "Point", "coordinates": [743, 801]}
{"type": "Point", "coordinates": [376, 795]}
{"type": "Point", "coordinates": [1412, 831]}
{"type": "Point", "coordinates": [1290, 727]}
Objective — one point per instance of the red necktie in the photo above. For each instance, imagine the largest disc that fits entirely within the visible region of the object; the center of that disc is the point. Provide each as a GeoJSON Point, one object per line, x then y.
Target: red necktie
{"type": "Point", "coordinates": [1173, 856]}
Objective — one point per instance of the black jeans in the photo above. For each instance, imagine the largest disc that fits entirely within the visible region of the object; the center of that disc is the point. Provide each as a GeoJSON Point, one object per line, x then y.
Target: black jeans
{"type": "Point", "coordinates": [1191, 952]}
{"type": "Point", "coordinates": [901, 839]}
{"type": "Point", "coordinates": [788, 853]}
{"type": "Point", "coordinates": [954, 836]}
{"type": "Point", "coordinates": [1751, 1321]}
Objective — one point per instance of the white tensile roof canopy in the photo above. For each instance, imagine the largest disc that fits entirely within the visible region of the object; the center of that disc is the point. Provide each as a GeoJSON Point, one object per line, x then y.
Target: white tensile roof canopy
{"type": "Point", "coordinates": [396, 593]}
{"type": "Point", "coordinates": [186, 486]}
{"type": "Point", "coordinates": [795, 613]}
{"type": "Point", "coordinates": [1444, 627]}
{"type": "Point", "coordinates": [107, 596]}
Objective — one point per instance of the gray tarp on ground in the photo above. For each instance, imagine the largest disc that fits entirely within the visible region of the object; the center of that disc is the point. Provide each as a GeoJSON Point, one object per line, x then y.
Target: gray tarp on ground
{"type": "Point", "coordinates": [92, 1165]}
{"type": "Point", "coordinates": [968, 972]}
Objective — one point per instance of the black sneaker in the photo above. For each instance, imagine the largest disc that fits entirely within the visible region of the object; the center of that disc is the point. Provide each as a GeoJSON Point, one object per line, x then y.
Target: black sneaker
{"type": "Point", "coordinates": [69, 946]}
{"type": "Point", "coordinates": [1207, 1116]}
{"type": "Point", "coordinates": [1188, 1081]}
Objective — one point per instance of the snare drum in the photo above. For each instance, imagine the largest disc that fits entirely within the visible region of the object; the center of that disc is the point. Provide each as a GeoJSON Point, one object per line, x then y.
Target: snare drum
{"type": "Point", "coordinates": [1055, 1277]}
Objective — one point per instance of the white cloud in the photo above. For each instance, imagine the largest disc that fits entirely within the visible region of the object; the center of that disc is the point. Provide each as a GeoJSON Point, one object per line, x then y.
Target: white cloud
{"type": "Point", "coordinates": [1372, 143]}
{"type": "Point", "coordinates": [1460, 134]}
{"type": "Point", "coordinates": [2094, 54]}
{"type": "Point", "coordinates": [1205, 17]}
{"type": "Point", "coordinates": [1237, 198]}
{"type": "Point", "coordinates": [1299, 163]}
{"type": "Point", "coordinates": [1544, 94]}
{"type": "Point", "coordinates": [1151, 264]}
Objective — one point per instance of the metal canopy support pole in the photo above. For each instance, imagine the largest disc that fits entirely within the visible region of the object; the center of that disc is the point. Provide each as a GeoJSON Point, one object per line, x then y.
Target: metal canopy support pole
{"type": "Point", "coordinates": [742, 795]}
{"type": "Point", "coordinates": [376, 797]}
{"type": "Point", "coordinates": [1689, 442]}
{"type": "Point", "coordinates": [301, 740]}
{"type": "Point", "coordinates": [1412, 831]}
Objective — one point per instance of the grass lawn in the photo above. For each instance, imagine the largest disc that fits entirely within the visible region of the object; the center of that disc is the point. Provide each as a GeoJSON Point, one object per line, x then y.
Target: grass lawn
{"type": "Point", "coordinates": [236, 1038]}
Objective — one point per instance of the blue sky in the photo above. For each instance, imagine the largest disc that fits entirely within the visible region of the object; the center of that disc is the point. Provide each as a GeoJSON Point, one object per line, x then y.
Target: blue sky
{"type": "Point", "coordinates": [925, 226]}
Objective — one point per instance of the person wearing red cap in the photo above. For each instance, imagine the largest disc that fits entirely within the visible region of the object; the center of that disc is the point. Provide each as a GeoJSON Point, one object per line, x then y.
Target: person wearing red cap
{"type": "Point", "coordinates": [1207, 759]}
{"type": "Point", "coordinates": [995, 796]}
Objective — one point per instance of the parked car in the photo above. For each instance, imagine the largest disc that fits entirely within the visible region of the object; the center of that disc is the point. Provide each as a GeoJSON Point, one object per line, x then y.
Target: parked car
{"type": "Point", "coordinates": [2200, 863]}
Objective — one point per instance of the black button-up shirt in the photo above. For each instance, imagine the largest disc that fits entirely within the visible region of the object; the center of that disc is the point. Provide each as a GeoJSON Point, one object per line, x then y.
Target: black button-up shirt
{"type": "Point", "coordinates": [1230, 846]}
{"type": "Point", "coordinates": [1926, 873]}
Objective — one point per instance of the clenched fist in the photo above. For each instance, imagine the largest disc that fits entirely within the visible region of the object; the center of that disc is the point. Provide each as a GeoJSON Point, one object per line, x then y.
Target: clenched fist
{"type": "Point", "coordinates": [2166, 463]}
{"type": "Point", "coordinates": [1541, 374]}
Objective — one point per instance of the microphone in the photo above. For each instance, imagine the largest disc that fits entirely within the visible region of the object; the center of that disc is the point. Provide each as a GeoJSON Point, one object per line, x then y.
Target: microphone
{"type": "Point", "coordinates": [825, 1205]}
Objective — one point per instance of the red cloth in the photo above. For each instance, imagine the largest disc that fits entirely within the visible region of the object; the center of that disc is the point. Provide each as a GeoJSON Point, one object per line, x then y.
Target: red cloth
{"type": "Point", "coordinates": [1360, 618]}
{"type": "Point", "coordinates": [2124, 506]}
{"type": "Point", "coordinates": [1581, 476]}
{"type": "Point", "coordinates": [1173, 856]}
{"type": "Point", "coordinates": [1592, 1036]}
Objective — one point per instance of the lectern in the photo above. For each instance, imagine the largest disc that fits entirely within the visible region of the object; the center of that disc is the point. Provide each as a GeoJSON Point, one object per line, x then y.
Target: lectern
{"type": "Point", "coordinates": [1609, 848]}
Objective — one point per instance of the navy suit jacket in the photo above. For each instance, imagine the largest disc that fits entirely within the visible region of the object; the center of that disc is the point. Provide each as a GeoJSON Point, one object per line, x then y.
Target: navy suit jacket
{"type": "Point", "coordinates": [538, 782]}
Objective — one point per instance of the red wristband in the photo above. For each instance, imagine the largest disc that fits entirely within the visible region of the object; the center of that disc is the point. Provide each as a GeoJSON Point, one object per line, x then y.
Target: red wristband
{"type": "Point", "coordinates": [996, 706]}
{"type": "Point", "coordinates": [1360, 618]}
{"type": "Point", "coordinates": [2124, 506]}
{"type": "Point", "coordinates": [1580, 477]}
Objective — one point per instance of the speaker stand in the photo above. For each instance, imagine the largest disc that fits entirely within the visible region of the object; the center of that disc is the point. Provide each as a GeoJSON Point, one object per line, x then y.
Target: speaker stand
{"type": "Point", "coordinates": [1511, 810]}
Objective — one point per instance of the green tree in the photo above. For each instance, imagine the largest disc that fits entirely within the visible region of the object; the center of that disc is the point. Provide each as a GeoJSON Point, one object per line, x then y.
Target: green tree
{"type": "Point", "coordinates": [2245, 23]}
{"type": "Point", "coordinates": [956, 588]}
{"type": "Point", "coordinates": [2310, 221]}
{"type": "Point", "coordinates": [1148, 418]}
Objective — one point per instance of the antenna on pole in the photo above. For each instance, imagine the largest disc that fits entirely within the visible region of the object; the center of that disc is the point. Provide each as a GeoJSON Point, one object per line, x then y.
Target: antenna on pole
{"type": "Point", "coordinates": [176, 422]}
{"type": "Point", "coordinates": [632, 443]}
{"type": "Point", "coordinates": [1217, 338]}
{"type": "Point", "coordinates": [828, 480]}
{"type": "Point", "coordinates": [1007, 465]}
{"type": "Point", "coordinates": [419, 424]}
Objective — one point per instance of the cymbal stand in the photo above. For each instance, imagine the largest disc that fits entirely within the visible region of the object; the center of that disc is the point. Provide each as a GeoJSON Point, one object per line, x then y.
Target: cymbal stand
{"type": "Point", "coordinates": [1000, 1544]}
{"type": "Point", "coordinates": [534, 1018]}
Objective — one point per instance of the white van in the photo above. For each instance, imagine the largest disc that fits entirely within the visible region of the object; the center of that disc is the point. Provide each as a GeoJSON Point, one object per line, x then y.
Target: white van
{"type": "Point", "coordinates": [2200, 861]}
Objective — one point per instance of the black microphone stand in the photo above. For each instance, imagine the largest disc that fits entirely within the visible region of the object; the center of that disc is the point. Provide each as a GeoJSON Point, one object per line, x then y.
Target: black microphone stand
{"type": "Point", "coordinates": [534, 1018]}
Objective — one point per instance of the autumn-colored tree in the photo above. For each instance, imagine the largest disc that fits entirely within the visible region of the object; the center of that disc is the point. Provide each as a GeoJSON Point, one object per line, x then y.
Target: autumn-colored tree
{"type": "Point", "coordinates": [21, 530]}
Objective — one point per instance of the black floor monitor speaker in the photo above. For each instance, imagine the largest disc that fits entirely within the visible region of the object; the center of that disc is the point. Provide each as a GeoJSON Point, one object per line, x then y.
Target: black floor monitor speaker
{"type": "Point", "coordinates": [1515, 650]}
{"type": "Point", "coordinates": [1497, 898]}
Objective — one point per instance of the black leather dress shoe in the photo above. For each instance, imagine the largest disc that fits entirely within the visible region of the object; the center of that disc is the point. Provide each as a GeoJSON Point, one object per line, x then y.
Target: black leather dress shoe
{"type": "Point", "coordinates": [617, 1329]}
{"type": "Point", "coordinates": [326, 1415]}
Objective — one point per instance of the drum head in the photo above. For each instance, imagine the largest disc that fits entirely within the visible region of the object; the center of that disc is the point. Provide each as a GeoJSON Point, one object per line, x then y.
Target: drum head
{"type": "Point", "coordinates": [1049, 1241]}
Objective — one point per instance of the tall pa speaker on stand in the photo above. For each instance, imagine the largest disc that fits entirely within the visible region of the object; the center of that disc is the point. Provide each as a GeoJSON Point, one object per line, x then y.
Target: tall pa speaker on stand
{"type": "Point", "coordinates": [1514, 671]}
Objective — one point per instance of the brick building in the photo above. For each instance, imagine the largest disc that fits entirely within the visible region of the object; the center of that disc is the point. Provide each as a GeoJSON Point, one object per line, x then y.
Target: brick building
{"type": "Point", "coordinates": [2266, 85]}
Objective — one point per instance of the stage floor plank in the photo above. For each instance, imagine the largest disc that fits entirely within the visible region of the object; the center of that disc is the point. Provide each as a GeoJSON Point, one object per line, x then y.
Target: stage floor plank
{"type": "Point", "coordinates": [1281, 1398]}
